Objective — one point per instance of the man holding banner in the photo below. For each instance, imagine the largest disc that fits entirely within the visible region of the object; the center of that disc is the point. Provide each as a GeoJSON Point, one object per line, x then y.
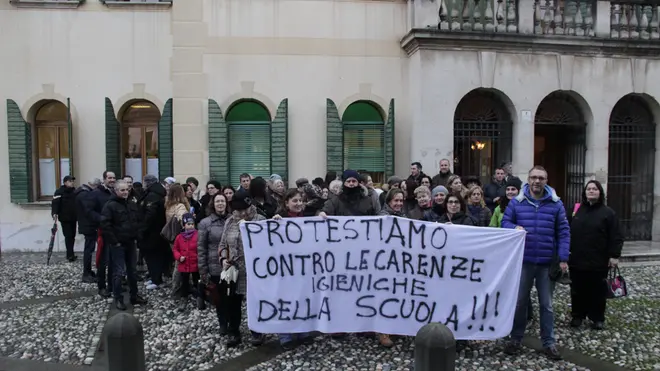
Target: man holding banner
{"type": "Point", "coordinates": [539, 211]}
{"type": "Point", "coordinates": [385, 274]}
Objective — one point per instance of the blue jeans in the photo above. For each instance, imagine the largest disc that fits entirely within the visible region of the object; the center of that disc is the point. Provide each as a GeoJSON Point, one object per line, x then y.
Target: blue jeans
{"type": "Point", "coordinates": [285, 338]}
{"type": "Point", "coordinates": [531, 274]}
{"type": "Point", "coordinates": [124, 261]}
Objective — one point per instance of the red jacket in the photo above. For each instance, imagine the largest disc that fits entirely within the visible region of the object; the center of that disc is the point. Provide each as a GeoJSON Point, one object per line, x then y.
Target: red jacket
{"type": "Point", "coordinates": [186, 247]}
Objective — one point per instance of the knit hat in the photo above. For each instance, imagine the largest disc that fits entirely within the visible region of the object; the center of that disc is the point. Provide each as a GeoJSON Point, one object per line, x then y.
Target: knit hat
{"type": "Point", "coordinates": [350, 174]}
{"type": "Point", "coordinates": [301, 182]}
{"type": "Point", "coordinates": [241, 200]}
{"type": "Point", "coordinates": [514, 182]}
{"type": "Point", "coordinates": [187, 218]}
{"type": "Point", "coordinates": [312, 191]}
{"type": "Point", "coordinates": [439, 189]}
{"type": "Point", "coordinates": [170, 180]}
{"type": "Point", "coordinates": [275, 177]}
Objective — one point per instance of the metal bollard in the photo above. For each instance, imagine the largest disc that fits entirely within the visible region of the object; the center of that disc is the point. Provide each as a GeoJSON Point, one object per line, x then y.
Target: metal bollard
{"type": "Point", "coordinates": [124, 343]}
{"type": "Point", "coordinates": [435, 348]}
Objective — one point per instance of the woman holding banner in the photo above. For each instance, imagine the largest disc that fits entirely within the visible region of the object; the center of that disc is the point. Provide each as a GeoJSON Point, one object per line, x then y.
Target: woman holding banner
{"type": "Point", "coordinates": [231, 255]}
{"type": "Point", "coordinates": [439, 194]}
{"type": "Point", "coordinates": [456, 212]}
{"type": "Point", "coordinates": [292, 207]}
{"type": "Point", "coordinates": [394, 207]}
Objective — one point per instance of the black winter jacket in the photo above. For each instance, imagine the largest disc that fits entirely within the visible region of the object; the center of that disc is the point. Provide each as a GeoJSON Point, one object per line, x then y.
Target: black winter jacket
{"type": "Point", "coordinates": [84, 206]}
{"type": "Point", "coordinates": [595, 237]}
{"type": "Point", "coordinates": [152, 221]}
{"type": "Point", "coordinates": [100, 197]}
{"type": "Point", "coordinates": [64, 204]}
{"type": "Point", "coordinates": [120, 222]}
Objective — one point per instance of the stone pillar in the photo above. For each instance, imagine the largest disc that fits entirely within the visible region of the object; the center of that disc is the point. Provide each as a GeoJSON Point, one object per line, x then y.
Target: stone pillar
{"type": "Point", "coordinates": [597, 156]}
{"type": "Point", "coordinates": [602, 19]}
{"type": "Point", "coordinates": [526, 17]}
{"type": "Point", "coordinates": [189, 90]}
{"type": "Point", "coordinates": [523, 143]}
{"type": "Point", "coordinates": [425, 13]}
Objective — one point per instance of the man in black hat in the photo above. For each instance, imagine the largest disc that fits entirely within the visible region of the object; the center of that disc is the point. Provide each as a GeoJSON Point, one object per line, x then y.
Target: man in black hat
{"type": "Point", "coordinates": [63, 208]}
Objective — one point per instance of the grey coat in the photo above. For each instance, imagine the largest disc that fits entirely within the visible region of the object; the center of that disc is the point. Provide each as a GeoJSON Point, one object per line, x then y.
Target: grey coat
{"type": "Point", "coordinates": [231, 240]}
{"type": "Point", "coordinates": [208, 241]}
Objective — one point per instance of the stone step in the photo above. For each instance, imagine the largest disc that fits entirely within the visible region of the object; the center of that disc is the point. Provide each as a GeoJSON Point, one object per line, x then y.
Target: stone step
{"type": "Point", "coordinates": [641, 251]}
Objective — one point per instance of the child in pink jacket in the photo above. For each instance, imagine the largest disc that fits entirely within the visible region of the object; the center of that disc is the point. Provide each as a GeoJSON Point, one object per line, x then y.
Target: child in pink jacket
{"type": "Point", "coordinates": [185, 252]}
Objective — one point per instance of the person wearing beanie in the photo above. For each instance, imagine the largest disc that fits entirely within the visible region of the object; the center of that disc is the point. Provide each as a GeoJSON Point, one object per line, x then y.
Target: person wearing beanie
{"type": "Point", "coordinates": [438, 196]}
{"type": "Point", "coordinates": [300, 183]}
{"type": "Point", "coordinates": [352, 200]}
{"type": "Point", "coordinates": [231, 254]}
{"type": "Point", "coordinates": [314, 199]}
{"type": "Point", "coordinates": [185, 254]}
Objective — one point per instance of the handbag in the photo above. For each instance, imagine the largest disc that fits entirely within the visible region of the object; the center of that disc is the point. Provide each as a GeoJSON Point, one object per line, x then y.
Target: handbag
{"type": "Point", "coordinates": [171, 229]}
{"type": "Point", "coordinates": [207, 292]}
{"type": "Point", "coordinates": [616, 284]}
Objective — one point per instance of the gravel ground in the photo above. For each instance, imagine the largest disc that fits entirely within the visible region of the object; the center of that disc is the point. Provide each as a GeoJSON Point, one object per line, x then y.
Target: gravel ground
{"type": "Point", "coordinates": [55, 332]}
{"type": "Point", "coordinates": [632, 335]}
{"type": "Point", "coordinates": [26, 276]}
{"type": "Point", "coordinates": [183, 341]}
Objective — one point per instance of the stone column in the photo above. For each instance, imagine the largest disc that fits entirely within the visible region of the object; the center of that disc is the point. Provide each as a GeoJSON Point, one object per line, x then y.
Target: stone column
{"type": "Point", "coordinates": [189, 90]}
{"type": "Point", "coordinates": [602, 19]}
{"type": "Point", "coordinates": [523, 143]}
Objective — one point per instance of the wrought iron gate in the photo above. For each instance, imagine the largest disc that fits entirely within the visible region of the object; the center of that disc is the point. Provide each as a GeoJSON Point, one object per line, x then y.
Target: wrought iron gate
{"type": "Point", "coordinates": [631, 167]}
{"type": "Point", "coordinates": [482, 135]}
{"type": "Point", "coordinates": [561, 111]}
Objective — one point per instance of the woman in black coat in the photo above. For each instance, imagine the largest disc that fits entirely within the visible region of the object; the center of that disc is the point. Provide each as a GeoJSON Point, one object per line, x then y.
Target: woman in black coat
{"type": "Point", "coordinates": [596, 244]}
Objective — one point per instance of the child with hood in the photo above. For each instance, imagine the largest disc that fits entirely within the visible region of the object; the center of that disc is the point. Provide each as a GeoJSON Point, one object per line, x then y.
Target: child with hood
{"type": "Point", "coordinates": [185, 253]}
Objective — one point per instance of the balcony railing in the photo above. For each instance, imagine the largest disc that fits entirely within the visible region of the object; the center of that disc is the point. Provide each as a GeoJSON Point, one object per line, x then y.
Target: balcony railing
{"type": "Point", "coordinates": [621, 19]}
{"type": "Point", "coordinates": [630, 19]}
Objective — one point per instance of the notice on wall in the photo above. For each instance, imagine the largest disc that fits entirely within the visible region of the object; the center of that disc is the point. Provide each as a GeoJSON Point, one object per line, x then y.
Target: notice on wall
{"type": "Point", "coordinates": [380, 274]}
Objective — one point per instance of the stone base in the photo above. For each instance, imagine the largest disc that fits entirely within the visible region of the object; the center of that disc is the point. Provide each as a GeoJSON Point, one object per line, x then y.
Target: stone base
{"type": "Point", "coordinates": [33, 237]}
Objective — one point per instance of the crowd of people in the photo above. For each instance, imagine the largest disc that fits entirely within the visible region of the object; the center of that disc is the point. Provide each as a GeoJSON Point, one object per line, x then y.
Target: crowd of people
{"type": "Point", "coordinates": [127, 221]}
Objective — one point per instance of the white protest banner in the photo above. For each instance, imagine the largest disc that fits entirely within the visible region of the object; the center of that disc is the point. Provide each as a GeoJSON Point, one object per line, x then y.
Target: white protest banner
{"type": "Point", "coordinates": [382, 274]}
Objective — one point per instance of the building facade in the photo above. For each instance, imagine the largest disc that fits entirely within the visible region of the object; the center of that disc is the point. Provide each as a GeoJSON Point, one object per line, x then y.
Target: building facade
{"type": "Point", "coordinates": [211, 89]}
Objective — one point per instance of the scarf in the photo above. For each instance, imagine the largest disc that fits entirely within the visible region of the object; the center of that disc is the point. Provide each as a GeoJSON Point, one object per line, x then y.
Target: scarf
{"type": "Point", "coordinates": [187, 234]}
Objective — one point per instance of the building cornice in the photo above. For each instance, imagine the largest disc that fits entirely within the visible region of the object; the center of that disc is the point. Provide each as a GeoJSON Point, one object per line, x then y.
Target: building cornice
{"type": "Point", "coordinates": [433, 39]}
{"type": "Point", "coordinates": [47, 4]}
{"type": "Point", "coordinates": [151, 4]}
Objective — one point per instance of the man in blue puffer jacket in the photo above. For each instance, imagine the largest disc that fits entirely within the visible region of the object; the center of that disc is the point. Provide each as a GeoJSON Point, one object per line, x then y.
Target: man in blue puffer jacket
{"type": "Point", "coordinates": [539, 211]}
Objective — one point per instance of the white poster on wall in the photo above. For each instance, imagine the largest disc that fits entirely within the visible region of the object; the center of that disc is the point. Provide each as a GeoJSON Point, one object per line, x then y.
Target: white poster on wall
{"type": "Point", "coordinates": [382, 274]}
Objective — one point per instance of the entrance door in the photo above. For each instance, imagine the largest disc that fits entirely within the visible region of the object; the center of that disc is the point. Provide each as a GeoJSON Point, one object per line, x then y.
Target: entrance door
{"type": "Point", "coordinates": [560, 146]}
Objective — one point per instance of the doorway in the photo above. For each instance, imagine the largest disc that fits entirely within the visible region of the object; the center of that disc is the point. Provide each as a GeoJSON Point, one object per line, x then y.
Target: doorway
{"type": "Point", "coordinates": [560, 146]}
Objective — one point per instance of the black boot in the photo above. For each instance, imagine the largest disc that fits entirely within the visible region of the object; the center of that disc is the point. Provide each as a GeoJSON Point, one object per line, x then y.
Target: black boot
{"type": "Point", "coordinates": [119, 303]}
{"type": "Point", "coordinates": [104, 293]}
{"type": "Point", "coordinates": [233, 341]}
{"type": "Point", "coordinates": [576, 322]}
{"type": "Point", "coordinates": [138, 300]}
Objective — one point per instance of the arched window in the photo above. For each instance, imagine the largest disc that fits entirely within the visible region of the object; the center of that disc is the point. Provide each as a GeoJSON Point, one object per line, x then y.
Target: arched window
{"type": "Point", "coordinates": [364, 143]}
{"type": "Point", "coordinates": [52, 150]}
{"type": "Point", "coordinates": [249, 140]}
{"type": "Point", "coordinates": [139, 139]}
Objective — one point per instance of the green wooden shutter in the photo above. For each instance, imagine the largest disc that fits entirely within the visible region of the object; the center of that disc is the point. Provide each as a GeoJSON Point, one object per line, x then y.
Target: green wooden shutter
{"type": "Point", "coordinates": [113, 155]}
{"type": "Point", "coordinates": [249, 146]}
{"type": "Point", "coordinates": [363, 146]}
{"type": "Point", "coordinates": [19, 136]}
{"type": "Point", "coordinates": [279, 136]}
{"type": "Point", "coordinates": [389, 141]}
{"type": "Point", "coordinates": [218, 144]}
{"type": "Point", "coordinates": [165, 143]}
{"type": "Point", "coordinates": [334, 139]}
{"type": "Point", "coordinates": [70, 132]}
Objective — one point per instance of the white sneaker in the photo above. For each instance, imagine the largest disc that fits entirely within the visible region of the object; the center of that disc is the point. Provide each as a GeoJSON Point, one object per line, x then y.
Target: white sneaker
{"type": "Point", "coordinates": [147, 283]}
{"type": "Point", "coordinates": [152, 286]}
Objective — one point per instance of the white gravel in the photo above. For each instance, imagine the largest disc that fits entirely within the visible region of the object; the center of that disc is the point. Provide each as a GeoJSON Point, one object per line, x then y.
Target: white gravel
{"type": "Point", "coordinates": [183, 341]}
{"type": "Point", "coordinates": [60, 331]}
{"type": "Point", "coordinates": [26, 276]}
{"type": "Point", "coordinates": [631, 337]}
